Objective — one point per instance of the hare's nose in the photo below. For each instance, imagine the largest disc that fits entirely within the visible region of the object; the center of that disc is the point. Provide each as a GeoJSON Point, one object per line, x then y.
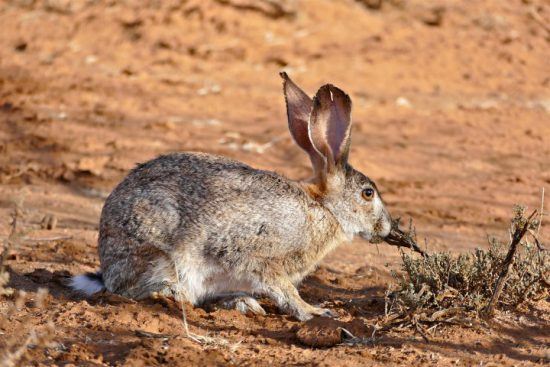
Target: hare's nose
{"type": "Point", "coordinates": [383, 225]}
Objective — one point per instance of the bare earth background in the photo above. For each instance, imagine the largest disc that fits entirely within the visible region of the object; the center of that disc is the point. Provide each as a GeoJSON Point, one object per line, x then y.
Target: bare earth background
{"type": "Point", "coordinates": [452, 120]}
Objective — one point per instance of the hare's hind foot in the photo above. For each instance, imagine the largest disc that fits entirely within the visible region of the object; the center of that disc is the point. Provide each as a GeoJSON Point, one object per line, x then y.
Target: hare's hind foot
{"type": "Point", "coordinates": [241, 302]}
{"type": "Point", "coordinates": [244, 304]}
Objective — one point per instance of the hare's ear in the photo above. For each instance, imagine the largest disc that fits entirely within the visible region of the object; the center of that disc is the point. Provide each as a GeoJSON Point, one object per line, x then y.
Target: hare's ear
{"type": "Point", "coordinates": [298, 109]}
{"type": "Point", "coordinates": [330, 126]}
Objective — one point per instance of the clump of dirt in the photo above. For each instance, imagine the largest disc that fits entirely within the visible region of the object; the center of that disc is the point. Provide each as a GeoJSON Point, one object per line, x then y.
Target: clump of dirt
{"type": "Point", "coordinates": [322, 332]}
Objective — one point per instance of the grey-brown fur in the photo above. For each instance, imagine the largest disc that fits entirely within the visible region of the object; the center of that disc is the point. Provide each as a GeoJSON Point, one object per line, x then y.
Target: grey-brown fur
{"type": "Point", "coordinates": [198, 226]}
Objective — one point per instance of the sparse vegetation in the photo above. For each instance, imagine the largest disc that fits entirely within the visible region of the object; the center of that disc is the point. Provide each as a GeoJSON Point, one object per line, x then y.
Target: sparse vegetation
{"type": "Point", "coordinates": [13, 353]}
{"type": "Point", "coordinates": [451, 105]}
{"type": "Point", "coordinates": [447, 288]}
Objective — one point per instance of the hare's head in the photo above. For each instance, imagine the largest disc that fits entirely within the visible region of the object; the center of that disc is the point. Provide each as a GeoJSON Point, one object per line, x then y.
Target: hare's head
{"type": "Point", "coordinates": [322, 127]}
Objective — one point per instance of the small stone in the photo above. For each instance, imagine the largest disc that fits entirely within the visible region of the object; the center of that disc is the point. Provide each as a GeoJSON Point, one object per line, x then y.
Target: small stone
{"type": "Point", "coordinates": [372, 4]}
{"type": "Point", "coordinates": [49, 222]}
{"type": "Point", "coordinates": [403, 102]}
{"type": "Point", "coordinates": [92, 165]}
{"type": "Point", "coordinates": [90, 59]}
{"type": "Point", "coordinates": [20, 46]}
{"type": "Point", "coordinates": [433, 16]}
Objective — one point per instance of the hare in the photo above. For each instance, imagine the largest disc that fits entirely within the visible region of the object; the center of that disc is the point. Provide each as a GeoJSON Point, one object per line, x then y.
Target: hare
{"type": "Point", "coordinates": [198, 227]}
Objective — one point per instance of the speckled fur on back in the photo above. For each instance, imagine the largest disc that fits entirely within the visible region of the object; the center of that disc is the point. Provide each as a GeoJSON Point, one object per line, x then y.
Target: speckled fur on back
{"type": "Point", "coordinates": [196, 226]}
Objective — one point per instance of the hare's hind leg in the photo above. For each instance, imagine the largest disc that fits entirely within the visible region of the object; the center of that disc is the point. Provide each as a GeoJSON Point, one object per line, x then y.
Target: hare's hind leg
{"type": "Point", "coordinates": [239, 301]}
{"type": "Point", "coordinates": [244, 304]}
{"type": "Point", "coordinates": [134, 270]}
{"type": "Point", "coordinates": [157, 278]}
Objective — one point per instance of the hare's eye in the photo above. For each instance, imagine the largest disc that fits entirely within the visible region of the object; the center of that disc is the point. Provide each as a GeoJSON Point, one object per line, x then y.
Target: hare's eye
{"type": "Point", "coordinates": [367, 194]}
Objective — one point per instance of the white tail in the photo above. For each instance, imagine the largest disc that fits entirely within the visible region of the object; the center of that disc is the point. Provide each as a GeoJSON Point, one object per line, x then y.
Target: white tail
{"type": "Point", "coordinates": [87, 284]}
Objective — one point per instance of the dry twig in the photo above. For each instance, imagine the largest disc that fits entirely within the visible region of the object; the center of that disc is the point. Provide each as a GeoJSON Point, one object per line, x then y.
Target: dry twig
{"type": "Point", "coordinates": [399, 238]}
{"type": "Point", "coordinates": [204, 340]}
{"type": "Point", "coordinates": [535, 15]}
{"type": "Point", "coordinates": [507, 265]}
{"type": "Point", "coordinates": [47, 239]}
{"type": "Point", "coordinates": [270, 8]}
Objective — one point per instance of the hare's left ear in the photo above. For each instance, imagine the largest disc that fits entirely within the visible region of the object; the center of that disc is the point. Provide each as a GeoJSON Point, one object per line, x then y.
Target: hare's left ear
{"type": "Point", "coordinates": [330, 126]}
{"type": "Point", "coordinates": [298, 108]}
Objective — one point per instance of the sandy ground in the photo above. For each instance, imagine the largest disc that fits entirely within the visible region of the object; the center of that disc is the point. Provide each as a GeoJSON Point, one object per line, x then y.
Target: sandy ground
{"type": "Point", "coordinates": [452, 120]}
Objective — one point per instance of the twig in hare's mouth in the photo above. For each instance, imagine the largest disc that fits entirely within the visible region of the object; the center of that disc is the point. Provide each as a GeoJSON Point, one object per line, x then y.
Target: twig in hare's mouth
{"type": "Point", "coordinates": [399, 238]}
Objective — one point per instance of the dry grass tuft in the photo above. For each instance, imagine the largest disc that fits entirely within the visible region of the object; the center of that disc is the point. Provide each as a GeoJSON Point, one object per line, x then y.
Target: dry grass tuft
{"type": "Point", "coordinates": [207, 341]}
{"type": "Point", "coordinates": [14, 352]}
{"type": "Point", "coordinates": [444, 288]}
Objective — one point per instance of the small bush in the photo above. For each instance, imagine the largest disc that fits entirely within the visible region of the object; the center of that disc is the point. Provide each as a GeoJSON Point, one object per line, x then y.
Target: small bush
{"type": "Point", "coordinates": [467, 282]}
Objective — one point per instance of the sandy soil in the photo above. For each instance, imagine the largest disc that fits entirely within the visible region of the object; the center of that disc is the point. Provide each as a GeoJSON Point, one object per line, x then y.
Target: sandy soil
{"type": "Point", "coordinates": [452, 120]}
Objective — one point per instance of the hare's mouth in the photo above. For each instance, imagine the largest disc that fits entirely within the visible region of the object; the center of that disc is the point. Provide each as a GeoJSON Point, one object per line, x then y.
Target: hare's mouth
{"type": "Point", "coordinates": [372, 238]}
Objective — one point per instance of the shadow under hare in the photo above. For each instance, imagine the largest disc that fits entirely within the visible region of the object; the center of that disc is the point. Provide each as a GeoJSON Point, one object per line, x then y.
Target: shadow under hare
{"type": "Point", "coordinates": [199, 227]}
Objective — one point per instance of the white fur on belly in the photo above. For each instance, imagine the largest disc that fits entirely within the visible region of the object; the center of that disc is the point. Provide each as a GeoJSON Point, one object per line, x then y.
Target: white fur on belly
{"type": "Point", "coordinates": [201, 280]}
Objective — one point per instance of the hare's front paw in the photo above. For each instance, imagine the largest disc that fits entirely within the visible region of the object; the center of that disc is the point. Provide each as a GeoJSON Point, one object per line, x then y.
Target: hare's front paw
{"type": "Point", "coordinates": [316, 311]}
{"type": "Point", "coordinates": [324, 312]}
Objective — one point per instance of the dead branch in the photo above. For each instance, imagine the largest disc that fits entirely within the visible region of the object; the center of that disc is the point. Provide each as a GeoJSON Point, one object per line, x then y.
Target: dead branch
{"type": "Point", "coordinates": [420, 331]}
{"type": "Point", "coordinates": [399, 238]}
{"type": "Point", "coordinates": [534, 234]}
{"type": "Point", "coordinates": [541, 214]}
{"type": "Point", "coordinates": [534, 14]}
{"type": "Point", "coordinates": [507, 265]}
{"type": "Point", "coordinates": [48, 239]}
{"type": "Point", "coordinates": [207, 341]}
{"type": "Point", "coordinates": [270, 8]}
{"type": "Point", "coordinates": [147, 334]}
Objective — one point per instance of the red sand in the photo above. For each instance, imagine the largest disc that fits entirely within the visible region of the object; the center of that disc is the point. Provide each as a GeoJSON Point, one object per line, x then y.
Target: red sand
{"type": "Point", "coordinates": [452, 120]}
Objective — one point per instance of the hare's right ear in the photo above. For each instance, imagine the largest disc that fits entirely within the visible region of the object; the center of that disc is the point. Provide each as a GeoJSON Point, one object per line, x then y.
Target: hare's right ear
{"type": "Point", "coordinates": [330, 126]}
{"type": "Point", "coordinates": [298, 109]}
